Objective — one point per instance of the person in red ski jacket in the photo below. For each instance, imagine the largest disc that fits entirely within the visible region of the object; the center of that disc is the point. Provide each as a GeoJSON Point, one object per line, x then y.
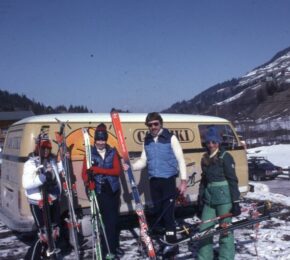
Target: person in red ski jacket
{"type": "Point", "coordinates": [103, 177]}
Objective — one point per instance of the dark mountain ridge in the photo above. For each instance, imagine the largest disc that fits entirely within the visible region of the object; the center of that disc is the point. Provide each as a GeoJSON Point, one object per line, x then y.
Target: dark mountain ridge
{"type": "Point", "coordinates": [16, 102]}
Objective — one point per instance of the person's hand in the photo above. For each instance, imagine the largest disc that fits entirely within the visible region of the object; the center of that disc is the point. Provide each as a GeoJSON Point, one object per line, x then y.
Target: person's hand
{"type": "Point", "coordinates": [236, 209]}
{"type": "Point", "coordinates": [181, 199]}
{"type": "Point", "coordinates": [48, 168]}
{"type": "Point", "coordinates": [38, 168]}
{"type": "Point", "coordinates": [125, 166]}
{"type": "Point", "coordinates": [182, 187]}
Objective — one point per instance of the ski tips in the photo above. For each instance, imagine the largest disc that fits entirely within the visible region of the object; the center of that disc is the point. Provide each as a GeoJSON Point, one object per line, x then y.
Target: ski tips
{"type": "Point", "coordinates": [114, 110]}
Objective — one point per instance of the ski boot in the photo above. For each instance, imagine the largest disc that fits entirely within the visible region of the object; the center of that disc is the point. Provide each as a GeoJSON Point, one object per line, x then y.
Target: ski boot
{"type": "Point", "coordinates": [170, 251]}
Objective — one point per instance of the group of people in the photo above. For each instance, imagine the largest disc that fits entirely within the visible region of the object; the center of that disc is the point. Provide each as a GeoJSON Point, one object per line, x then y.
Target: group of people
{"type": "Point", "coordinates": [163, 156]}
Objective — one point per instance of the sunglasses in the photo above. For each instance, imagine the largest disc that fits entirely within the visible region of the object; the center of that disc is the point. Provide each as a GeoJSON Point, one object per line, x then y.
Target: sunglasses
{"type": "Point", "coordinates": [101, 139]}
{"type": "Point", "coordinates": [211, 142]}
{"type": "Point", "coordinates": [45, 147]}
{"type": "Point", "coordinates": [153, 124]}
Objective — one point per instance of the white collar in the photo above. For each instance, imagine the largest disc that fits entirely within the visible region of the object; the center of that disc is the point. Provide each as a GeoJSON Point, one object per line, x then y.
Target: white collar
{"type": "Point", "coordinates": [214, 153]}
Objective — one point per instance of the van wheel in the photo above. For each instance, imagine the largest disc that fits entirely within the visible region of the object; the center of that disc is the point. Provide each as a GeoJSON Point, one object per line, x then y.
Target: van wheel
{"type": "Point", "coordinates": [256, 177]}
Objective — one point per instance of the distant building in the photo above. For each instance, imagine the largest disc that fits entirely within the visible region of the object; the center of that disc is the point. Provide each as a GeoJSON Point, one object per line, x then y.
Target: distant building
{"type": "Point", "coordinates": [8, 118]}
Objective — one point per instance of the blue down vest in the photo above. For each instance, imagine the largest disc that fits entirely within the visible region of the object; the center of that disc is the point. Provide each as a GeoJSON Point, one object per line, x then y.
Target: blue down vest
{"type": "Point", "coordinates": [161, 160]}
{"type": "Point", "coordinates": [107, 163]}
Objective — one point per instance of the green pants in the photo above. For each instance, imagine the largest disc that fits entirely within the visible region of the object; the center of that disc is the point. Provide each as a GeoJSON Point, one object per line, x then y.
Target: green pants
{"type": "Point", "coordinates": [226, 241]}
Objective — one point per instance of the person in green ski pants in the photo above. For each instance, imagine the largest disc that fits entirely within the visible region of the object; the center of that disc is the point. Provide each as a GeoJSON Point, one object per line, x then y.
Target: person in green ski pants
{"type": "Point", "coordinates": [218, 194]}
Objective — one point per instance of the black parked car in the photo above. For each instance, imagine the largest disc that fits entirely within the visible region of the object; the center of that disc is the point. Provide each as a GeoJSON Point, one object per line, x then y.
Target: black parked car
{"type": "Point", "coordinates": [261, 169]}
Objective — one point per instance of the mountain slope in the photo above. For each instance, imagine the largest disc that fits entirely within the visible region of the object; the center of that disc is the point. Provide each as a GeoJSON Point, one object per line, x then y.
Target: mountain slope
{"type": "Point", "coordinates": [262, 93]}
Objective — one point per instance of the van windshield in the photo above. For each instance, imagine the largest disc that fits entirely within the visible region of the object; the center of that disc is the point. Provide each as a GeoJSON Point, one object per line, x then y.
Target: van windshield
{"type": "Point", "coordinates": [229, 139]}
{"type": "Point", "coordinates": [263, 161]}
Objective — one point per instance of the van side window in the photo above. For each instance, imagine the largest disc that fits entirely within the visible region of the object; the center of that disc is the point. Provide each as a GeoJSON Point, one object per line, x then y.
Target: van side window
{"type": "Point", "coordinates": [13, 142]}
{"type": "Point", "coordinates": [229, 140]}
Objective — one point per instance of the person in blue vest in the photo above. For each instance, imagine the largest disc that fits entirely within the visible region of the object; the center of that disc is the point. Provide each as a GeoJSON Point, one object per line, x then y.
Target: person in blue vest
{"type": "Point", "coordinates": [218, 194]}
{"type": "Point", "coordinates": [163, 156]}
{"type": "Point", "coordinates": [106, 169]}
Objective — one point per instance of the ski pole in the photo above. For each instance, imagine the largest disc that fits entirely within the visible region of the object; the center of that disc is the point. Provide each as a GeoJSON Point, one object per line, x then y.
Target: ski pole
{"type": "Point", "coordinates": [100, 220]}
{"type": "Point", "coordinates": [172, 200]}
{"type": "Point", "coordinates": [97, 251]}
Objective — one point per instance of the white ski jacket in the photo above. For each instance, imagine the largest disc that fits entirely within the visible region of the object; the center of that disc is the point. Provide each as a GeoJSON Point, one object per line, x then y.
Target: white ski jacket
{"type": "Point", "coordinates": [33, 179]}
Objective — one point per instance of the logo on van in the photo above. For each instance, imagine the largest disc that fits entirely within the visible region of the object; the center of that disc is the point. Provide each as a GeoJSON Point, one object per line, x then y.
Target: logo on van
{"type": "Point", "coordinates": [184, 135]}
{"type": "Point", "coordinates": [75, 142]}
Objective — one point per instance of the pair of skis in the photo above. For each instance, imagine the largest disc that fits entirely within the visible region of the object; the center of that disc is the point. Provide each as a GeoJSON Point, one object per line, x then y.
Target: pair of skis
{"type": "Point", "coordinates": [69, 188]}
{"type": "Point", "coordinates": [51, 252]}
{"type": "Point", "coordinates": [139, 209]}
{"type": "Point", "coordinates": [192, 235]}
{"type": "Point", "coordinates": [254, 212]}
{"type": "Point", "coordinates": [96, 217]}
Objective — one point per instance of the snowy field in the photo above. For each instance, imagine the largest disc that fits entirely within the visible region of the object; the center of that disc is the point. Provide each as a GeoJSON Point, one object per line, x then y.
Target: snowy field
{"type": "Point", "coordinates": [268, 240]}
{"type": "Point", "coordinates": [277, 154]}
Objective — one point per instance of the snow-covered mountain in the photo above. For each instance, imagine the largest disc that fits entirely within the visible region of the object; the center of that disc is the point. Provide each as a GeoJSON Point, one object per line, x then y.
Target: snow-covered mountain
{"type": "Point", "coordinates": [262, 93]}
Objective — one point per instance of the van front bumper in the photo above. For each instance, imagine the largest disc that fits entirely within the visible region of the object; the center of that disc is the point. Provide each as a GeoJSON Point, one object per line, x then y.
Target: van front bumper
{"type": "Point", "coordinates": [19, 224]}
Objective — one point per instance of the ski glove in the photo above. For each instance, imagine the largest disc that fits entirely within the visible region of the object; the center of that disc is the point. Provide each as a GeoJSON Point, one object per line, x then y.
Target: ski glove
{"type": "Point", "coordinates": [90, 174]}
{"type": "Point", "coordinates": [236, 209]}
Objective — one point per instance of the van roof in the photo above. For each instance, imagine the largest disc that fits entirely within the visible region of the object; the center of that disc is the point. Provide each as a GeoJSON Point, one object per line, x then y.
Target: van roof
{"type": "Point", "coordinates": [125, 117]}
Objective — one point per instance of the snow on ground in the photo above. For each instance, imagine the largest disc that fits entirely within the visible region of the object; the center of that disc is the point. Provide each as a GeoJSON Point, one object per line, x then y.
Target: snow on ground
{"type": "Point", "coordinates": [269, 240]}
{"type": "Point", "coordinates": [277, 154]}
{"type": "Point", "coordinates": [262, 194]}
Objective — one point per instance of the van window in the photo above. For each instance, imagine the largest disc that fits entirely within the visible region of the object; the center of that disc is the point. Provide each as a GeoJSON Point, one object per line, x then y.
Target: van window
{"type": "Point", "coordinates": [13, 141]}
{"type": "Point", "coordinates": [229, 140]}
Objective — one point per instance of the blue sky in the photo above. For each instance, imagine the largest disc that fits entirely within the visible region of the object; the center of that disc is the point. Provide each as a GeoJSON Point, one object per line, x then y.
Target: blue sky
{"type": "Point", "coordinates": [140, 55]}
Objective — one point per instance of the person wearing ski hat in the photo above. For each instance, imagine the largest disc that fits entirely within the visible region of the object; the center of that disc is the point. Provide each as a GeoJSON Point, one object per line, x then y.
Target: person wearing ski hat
{"type": "Point", "coordinates": [105, 171]}
{"type": "Point", "coordinates": [163, 156]}
{"type": "Point", "coordinates": [218, 193]}
{"type": "Point", "coordinates": [43, 168]}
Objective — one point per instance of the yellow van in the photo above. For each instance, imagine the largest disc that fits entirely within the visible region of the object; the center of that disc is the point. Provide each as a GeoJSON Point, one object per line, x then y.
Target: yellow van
{"type": "Point", "coordinates": [189, 129]}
